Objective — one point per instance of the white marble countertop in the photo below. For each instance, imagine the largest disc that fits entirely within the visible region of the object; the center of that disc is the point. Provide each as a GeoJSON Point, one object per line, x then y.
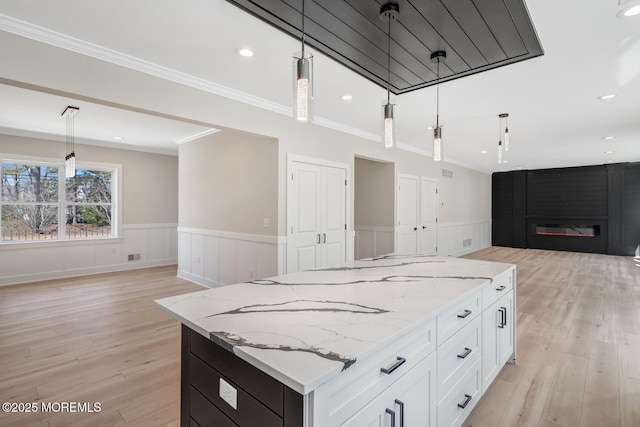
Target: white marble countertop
{"type": "Point", "coordinates": [305, 328]}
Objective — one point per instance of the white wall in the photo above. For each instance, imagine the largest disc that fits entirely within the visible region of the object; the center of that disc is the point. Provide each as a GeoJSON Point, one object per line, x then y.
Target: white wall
{"type": "Point", "coordinates": [148, 217]}
{"type": "Point", "coordinates": [464, 199]}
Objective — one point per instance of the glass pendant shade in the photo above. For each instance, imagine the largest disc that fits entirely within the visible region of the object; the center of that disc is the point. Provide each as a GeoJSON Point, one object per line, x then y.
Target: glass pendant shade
{"type": "Point", "coordinates": [506, 139]}
{"type": "Point", "coordinates": [437, 143]}
{"type": "Point", "coordinates": [500, 151]}
{"type": "Point", "coordinates": [70, 165]}
{"type": "Point", "coordinates": [389, 131]}
{"type": "Point", "coordinates": [303, 86]}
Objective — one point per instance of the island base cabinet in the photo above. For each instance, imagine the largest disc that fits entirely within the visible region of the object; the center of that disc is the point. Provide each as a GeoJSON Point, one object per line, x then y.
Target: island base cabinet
{"type": "Point", "coordinates": [498, 338]}
{"type": "Point", "coordinates": [409, 402]}
{"type": "Point", "coordinates": [456, 406]}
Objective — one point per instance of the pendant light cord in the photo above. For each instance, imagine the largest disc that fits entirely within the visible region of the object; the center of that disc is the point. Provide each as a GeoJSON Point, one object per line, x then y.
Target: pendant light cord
{"type": "Point", "coordinates": [302, 29]}
{"type": "Point", "coordinates": [389, 62]}
{"type": "Point", "coordinates": [438, 94]}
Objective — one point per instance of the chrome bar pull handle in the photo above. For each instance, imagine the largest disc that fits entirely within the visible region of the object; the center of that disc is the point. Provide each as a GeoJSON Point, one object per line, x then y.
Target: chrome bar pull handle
{"type": "Point", "coordinates": [400, 403]}
{"type": "Point", "coordinates": [318, 235]}
{"type": "Point", "coordinates": [324, 237]}
{"type": "Point", "coordinates": [392, 414]}
{"type": "Point", "coordinates": [466, 401]}
{"type": "Point", "coordinates": [465, 314]}
{"type": "Point", "coordinates": [467, 351]}
{"type": "Point", "coordinates": [399, 361]}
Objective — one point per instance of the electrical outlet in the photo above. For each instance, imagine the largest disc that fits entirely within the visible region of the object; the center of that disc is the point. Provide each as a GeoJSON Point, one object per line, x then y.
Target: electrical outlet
{"type": "Point", "coordinates": [229, 394]}
{"type": "Point", "coordinates": [266, 222]}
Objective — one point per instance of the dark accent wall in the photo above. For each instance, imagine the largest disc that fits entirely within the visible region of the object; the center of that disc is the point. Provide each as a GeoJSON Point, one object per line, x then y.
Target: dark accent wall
{"type": "Point", "coordinates": [607, 196]}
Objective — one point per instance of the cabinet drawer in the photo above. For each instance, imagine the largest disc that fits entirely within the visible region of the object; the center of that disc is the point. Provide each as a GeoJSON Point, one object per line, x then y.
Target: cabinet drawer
{"type": "Point", "coordinates": [500, 286]}
{"type": "Point", "coordinates": [409, 401]}
{"type": "Point", "coordinates": [464, 395]}
{"type": "Point", "coordinates": [205, 413]}
{"type": "Point", "coordinates": [248, 412]}
{"type": "Point", "coordinates": [456, 356]}
{"type": "Point", "coordinates": [266, 389]}
{"type": "Point", "coordinates": [458, 316]}
{"type": "Point", "coordinates": [336, 401]}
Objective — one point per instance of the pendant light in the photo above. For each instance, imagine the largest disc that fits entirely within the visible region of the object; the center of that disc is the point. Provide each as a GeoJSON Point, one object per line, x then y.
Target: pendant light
{"type": "Point", "coordinates": [389, 12]}
{"type": "Point", "coordinates": [303, 82]}
{"type": "Point", "coordinates": [437, 56]}
{"type": "Point", "coordinates": [70, 159]}
{"type": "Point", "coordinates": [503, 147]}
{"type": "Point", "coordinates": [505, 116]}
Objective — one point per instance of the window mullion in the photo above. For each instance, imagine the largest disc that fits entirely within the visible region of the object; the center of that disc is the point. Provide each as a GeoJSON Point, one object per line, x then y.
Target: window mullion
{"type": "Point", "coordinates": [62, 210]}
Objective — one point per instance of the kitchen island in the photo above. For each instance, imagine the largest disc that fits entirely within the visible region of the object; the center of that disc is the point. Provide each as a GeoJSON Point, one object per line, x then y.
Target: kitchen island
{"type": "Point", "coordinates": [397, 339]}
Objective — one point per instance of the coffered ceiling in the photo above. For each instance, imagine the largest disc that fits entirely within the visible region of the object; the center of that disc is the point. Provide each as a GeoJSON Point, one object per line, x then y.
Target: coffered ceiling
{"type": "Point", "coordinates": [476, 35]}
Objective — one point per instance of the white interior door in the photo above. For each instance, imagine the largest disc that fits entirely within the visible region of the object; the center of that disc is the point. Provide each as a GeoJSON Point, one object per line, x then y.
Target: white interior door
{"type": "Point", "coordinates": [333, 217]}
{"type": "Point", "coordinates": [303, 216]}
{"type": "Point", "coordinates": [428, 228]}
{"type": "Point", "coordinates": [316, 216]}
{"type": "Point", "coordinates": [407, 214]}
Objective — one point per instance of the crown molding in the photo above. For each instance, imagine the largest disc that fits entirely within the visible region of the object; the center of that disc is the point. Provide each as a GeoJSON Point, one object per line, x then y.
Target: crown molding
{"type": "Point", "coordinates": [63, 41]}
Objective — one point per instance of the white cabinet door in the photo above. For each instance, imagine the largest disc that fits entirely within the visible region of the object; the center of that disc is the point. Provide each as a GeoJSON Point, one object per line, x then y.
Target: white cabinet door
{"type": "Point", "coordinates": [498, 335]}
{"type": "Point", "coordinates": [409, 402]}
{"type": "Point", "coordinates": [316, 216]}
{"type": "Point", "coordinates": [407, 214]}
{"type": "Point", "coordinates": [428, 216]}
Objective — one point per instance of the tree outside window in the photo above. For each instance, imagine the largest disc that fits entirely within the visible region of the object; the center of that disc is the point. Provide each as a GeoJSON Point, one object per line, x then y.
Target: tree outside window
{"type": "Point", "coordinates": [34, 202]}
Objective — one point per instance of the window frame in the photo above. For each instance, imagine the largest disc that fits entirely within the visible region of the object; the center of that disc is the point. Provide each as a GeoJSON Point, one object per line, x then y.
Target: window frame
{"type": "Point", "coordinates": [62, 204]}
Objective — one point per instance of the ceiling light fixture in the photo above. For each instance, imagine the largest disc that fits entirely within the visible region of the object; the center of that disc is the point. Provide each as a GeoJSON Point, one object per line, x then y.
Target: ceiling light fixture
{"type": "Point", "coordinates": [303, 82]}
{"type": "Point", "coordinates": [246, 52]}
{"type": "Point", "coordinates": [629, 11]}
{"type": "Point", "coordinates": [437, 56]}
{"type": "Point", "coordinates": [503, 136]}
{"type": "Point", "coordinates": [608, 96]}
{"type": "Point", "coordinates": [117, 138]}
{"type": "Point", "coordinates": [389, 12]}
{"type": "Point", "coordinates": [607, 138]}
{"type": "Point", "coordinates": [70, 159]}
{"type": "Point", "coordinates": [347, 97]}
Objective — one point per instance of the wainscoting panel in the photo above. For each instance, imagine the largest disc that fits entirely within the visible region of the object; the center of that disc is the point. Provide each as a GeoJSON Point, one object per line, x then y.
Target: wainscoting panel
{"type": "Point", "coordinates": [460, 238]}
{"type": "Point", "coordinates": [373, 241]}
{"type": "Point", "coordinates": [149, 244]}
{"type": "Point", "coordinates": [213, 258]}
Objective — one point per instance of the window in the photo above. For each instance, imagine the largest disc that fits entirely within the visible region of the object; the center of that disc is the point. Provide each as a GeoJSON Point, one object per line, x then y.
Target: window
{"type": "Point", "coordinates": [37, 203]}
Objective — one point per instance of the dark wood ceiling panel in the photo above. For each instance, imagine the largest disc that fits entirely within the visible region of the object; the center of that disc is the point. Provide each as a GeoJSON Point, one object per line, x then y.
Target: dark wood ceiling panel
{"type": "Point", "coordinates": [499, 20]}
{"type": "Point", "coordinates": [476, 30]}
{"type": "Point", "coordinates": [477, 35]}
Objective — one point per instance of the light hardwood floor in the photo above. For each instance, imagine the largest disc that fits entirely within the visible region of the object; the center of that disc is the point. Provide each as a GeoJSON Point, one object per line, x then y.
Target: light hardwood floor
{"type": "Point", "coordinates": [92, 339]}
{"type": "Point", "coordinates": [101, 339]}
{"type": "Point", "coordinates": [578, 343]}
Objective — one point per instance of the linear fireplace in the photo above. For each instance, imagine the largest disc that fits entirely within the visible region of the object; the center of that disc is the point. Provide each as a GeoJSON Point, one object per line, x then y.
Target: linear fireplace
{"type": "Point", "coordinates": [579, 235]}
{"type": "Point", "coordinates": [567, 230]}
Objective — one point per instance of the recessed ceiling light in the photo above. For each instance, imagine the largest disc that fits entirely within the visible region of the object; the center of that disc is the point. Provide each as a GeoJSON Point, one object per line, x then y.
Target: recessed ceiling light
{"type": "Point", "coordinates": [483, 152]}
{"type": "Point", "coordinates": [505, 161]}
{"type": "Point", "coordinates": [347, 97]}
{"type": "Point", "coordinates": [609, 152]}
{"type": "Point", "coordinates": [246, 52]}
{"type": "Point", "coordinates": [629, 11]}
{"type": "Point", "coordinates": [519, 168]}
{"type": "Point", "coordinates": [608, 137]}
{"type": "Point", "coordinates": [117, 138]}
{"type": "Point", "coordinates": [607, 96]}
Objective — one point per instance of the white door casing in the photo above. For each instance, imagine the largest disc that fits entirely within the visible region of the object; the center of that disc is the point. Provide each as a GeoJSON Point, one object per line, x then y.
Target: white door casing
{"type": "Point", "coordinates": [316, 215]}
